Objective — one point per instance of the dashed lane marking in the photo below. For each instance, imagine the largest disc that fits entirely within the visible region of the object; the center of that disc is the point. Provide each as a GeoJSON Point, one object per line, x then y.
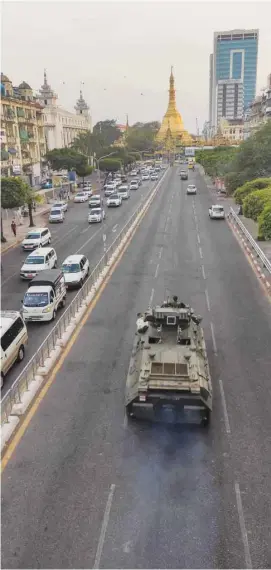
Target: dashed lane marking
{"type": "Point", "coordinates": [65, 235]}
{"type": "Point", "coordinates": [224, 406]}
{"type": "Point", "coordinates": [104, 526]}
{"type": "Point", "coordinates": [88, 240]}
{"type": "Point", "coordinates": [160, 253]}
{"type": "Point", "coordinates": [207, 299]}
{"type": "Point", "coordinates": [213, 338]}
{"type": "Point", "coordinates": [156, 272]}
{"type": "Point", "coordinates": [203, 272]}
{"type": "Point", "coordinates": [243, 526]}
{"type": "Point", "coordinates": [151, 297]}
{"type": "Point", "coordinates": [114, 229]}
{"type": "Point", "coordinates": [200, 253]}
{"type": "Point", "coordinates": [198, 237]}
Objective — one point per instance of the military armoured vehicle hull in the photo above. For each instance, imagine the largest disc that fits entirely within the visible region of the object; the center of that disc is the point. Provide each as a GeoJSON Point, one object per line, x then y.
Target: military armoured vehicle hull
{"type": "Point", "coordinates": [168, 378]}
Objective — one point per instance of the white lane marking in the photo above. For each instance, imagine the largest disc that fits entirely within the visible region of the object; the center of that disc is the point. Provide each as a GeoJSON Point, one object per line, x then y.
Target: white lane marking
{"type": "Point", "coordinates": [198, 238]}
{"type": "Point", "coordinates": [151, 297]}
{"type": "Point", "coordinates": [64, 235]}
{"type": "Point", "coordinates": [200, 253]}
{"type": "Point", "coordinates": [115, 228]}
{"type": "Point", "coordinates": [160, 253]}
{"type": "Point", "coordinates": [104, 526]}
{"type": "Point", "coordinates": [243, 526]}
{"type": "Point", "coordinates": [196, 218]}
{"type": "Point", "coordinates": [88, 240]}
{"type": "Point", "coordinates": [125, 421]}
{"type": "Point", "coordinates": [203, 272]}
{"type": "Point", "coordinates": [10, 277]}
{"type": "Point", "coordinates": [207, 299]}
{"type": "Point", "coordinates": [213, 337]}
{"type": "Point", "coordinates": [84, 231]}
{"type": "Point", "coordinates": [224, 406]}
{"type": "Point", "coordinates": [156, 272]}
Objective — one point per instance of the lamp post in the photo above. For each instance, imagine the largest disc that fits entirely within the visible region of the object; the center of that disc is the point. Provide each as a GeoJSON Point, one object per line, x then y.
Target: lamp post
{"type": "Point", "coordinates": [98, 164]}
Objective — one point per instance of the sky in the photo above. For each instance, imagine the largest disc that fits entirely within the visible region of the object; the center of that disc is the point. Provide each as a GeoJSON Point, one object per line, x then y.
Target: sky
{"type": "Point", "coordinates": [120, 53]}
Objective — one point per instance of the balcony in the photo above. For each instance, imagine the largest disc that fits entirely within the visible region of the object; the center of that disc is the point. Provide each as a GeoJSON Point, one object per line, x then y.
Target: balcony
{"type": "Point", "coordinates": [24, 137]}
{"type": "Point", "coordinates": [9, 115]}
{"type": "Point", "coordinates": [11, 138]}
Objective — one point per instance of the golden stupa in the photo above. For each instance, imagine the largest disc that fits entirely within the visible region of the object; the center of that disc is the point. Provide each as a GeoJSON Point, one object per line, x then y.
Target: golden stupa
{"type": "Point", "coordinates": [173, 121]}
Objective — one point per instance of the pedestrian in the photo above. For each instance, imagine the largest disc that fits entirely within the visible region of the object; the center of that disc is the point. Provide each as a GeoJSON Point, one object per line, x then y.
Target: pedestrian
{"type": "Point", "coordinates": [14, 227]}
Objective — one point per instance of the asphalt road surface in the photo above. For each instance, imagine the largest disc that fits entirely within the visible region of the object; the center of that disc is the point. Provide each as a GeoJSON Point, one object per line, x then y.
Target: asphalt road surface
{"type": "Point", "coordinates": [75, 235]}
{"type": "Point", "coordinates": [85, 490]}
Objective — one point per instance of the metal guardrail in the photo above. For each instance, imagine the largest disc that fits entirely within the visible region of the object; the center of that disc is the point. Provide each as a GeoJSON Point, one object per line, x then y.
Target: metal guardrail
{"type": "Point", "coordinates": [21, 384]}
{"type": "Point", "coordinates": [266, 263]}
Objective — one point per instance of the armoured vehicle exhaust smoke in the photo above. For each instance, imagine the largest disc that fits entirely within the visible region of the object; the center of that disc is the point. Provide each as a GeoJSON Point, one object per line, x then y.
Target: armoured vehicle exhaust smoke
{"type": "Point", "coordinates": [168, 378]}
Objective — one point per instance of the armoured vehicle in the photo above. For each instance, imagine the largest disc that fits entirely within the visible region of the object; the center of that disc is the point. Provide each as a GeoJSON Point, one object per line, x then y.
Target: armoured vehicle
{"type": "Point", "coordinates": [168, 378]}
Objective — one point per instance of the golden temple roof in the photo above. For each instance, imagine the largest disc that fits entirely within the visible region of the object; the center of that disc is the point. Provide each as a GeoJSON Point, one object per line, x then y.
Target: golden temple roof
{"type": "Point", "coordinates": [172, 119]}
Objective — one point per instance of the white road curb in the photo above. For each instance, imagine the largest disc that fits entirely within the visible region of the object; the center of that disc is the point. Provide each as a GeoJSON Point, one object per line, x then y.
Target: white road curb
{"type": "Point", "coordinates": [27, 397]}
{"type": "Point", "coordinates": [8, 429]}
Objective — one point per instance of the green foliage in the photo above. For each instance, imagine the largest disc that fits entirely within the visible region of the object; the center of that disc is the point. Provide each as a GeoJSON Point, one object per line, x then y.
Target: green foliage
{"type": "Point", "coordinates": [243, 191]}
{"type": "Point", "coordinates": [255, 202]}
{"type": "Point", "coordinates": [83, 170]}
{"type": "Point", "coordinates": [264, 231]}
{"type": "Point", "coordinates": [141, 136]}
{"type": "Point", "coordinates": [110, 165]}
{"type": "Point", "coordinates": [216, 161]}
{"type": "Point", "coordinates": [88, 143]}
{"type": "Point", "coordinates": [107, 131]}
{"type": "Point", "coordinates": [13, 192]}
{"type": "Point", "coordinates": [252, 160]}
{"type": "Point", "coordinates": [66, 158]}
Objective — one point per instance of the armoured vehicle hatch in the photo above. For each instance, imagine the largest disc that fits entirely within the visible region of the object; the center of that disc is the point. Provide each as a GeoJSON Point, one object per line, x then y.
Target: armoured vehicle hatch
{"type": "Point", "coordinates": [168, 377]}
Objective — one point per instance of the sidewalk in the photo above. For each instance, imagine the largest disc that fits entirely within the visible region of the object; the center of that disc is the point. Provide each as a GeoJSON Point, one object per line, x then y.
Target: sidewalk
{"type": "Point", "coordinates": [40, 220]}
{"type": "Point", "coordinates": [229, 202]}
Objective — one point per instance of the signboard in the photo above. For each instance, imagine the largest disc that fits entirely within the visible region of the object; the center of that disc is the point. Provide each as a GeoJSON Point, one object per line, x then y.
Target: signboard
{"type": "Point", "coordinates": [16, 169]}
{"type": "Point", "coordinates": [72, 176]}
{"type": "Point", "coordinates": [189, 151]}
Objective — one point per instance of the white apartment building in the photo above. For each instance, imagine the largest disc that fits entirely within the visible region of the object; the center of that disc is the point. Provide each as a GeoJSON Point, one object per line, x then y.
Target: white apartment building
{"type": "Point", "coordinates": [61, 126]}
{"type": "Point", "coordinates": [259, 111]}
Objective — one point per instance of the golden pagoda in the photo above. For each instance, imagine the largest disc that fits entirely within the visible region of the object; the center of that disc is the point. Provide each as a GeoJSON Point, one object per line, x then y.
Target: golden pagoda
{"type": "Point", "coordinates": [172, 120]}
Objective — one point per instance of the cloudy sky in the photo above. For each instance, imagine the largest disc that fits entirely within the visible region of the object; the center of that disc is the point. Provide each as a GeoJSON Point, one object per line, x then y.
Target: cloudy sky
{"type": "Point", "coordinates": [120, 53]}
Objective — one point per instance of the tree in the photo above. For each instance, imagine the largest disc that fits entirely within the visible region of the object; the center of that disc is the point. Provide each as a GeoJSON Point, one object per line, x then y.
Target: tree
{"type": "Point", "coordinates": [108, 131]}
{"type": "Point", "coordinates": [16, 193]}
{"type": "Point", "coordinates": [110, 165]}
{"type": "Point", "coordinates": [88, 143]}
{"type": "Point", "coordinates": [216, 161]}
{"type": "Point", "coordinates": [252, 160]}
{"type": "Point", "coordinates": [83, 170]}
{"type": "Point", "coordinates": [141, 136]}
{"type": "Point", "coordinates": [243, 191]}
{"type": "Point", "coordinates": [255, 202]}
{"type": "Point", "coordinates": [66, 159]}
{"type": "Point", "coordinates": [264, 231]}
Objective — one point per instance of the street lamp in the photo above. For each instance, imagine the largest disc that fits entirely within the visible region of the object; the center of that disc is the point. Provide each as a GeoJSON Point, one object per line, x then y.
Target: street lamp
{"type": "Point", "coordinates": [98, 164]}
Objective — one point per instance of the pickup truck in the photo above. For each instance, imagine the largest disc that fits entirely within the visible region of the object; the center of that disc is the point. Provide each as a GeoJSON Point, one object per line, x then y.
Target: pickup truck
{"type": "Point", "coordinates": [45, 294]}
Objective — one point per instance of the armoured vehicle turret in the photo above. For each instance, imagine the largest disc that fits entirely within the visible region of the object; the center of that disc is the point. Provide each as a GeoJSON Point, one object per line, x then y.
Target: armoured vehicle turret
{"type": "Point", "coordinates": [168, 378]}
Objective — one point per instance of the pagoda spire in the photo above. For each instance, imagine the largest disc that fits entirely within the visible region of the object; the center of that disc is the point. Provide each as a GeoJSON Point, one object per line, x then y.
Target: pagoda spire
{"type": "Point", "coordinates": [172, 94]}
{"type": "Point", "coordinates": [45, 78]}
{"type": "Point", "coordinates": [172, 120]}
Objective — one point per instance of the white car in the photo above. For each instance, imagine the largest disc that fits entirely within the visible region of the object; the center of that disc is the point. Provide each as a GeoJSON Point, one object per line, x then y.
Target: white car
{"type": "Point", "coordinates": [134, 185]}
{"type": "Point", "coordinates": [191, 189]}
{"type": "Point", "coordinates": [145, 177]}
{"type": "Point", "coordinates": [87, 186]}
{"type": "Point", "coordinates": [38, 260]}
{"type": "Point", "coordinates": [80, 197]}
{"type": "Point", "coordinates": [88, 192]}
{"type": "Point", "coordinates": [217, 212]}
{"type": "Point", "coordinates": [114, 200]}
{"type": "Point", "coordinates": [154, 176]}
{"type": "Point", "coordinates": [133, 173]}
{"type": "Point", "coordinates": [96, 201]}
{"type": "Point", "coordinates": [75, 269]}
{"type": "Point", "coordinates": [110, 189]}
{"type": "Point", "coordinates": [124, 192]}
{"type": "Point", "coordinates": [36, 238]}
{"type": "Point", "coordinates": [62, 205]}
{"type": "Point", "coordinates": [56, 215]}
{"type": "Point", "coordinates": [96, 215]}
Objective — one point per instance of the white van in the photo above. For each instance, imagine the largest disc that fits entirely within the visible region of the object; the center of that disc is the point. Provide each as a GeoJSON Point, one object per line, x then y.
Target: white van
{"type": "Point", "coordinates": [36, 238]}
{"type": "Point", "coordinates": [38, 260]}
{"type": "Point", "coordinates": [14, 337]}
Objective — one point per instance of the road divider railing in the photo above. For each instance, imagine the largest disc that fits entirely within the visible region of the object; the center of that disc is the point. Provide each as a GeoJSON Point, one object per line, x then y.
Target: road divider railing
{"type": "Point", "coordinates": [252, 248]}
{"type": "Point", "coordinates": [18, 398]}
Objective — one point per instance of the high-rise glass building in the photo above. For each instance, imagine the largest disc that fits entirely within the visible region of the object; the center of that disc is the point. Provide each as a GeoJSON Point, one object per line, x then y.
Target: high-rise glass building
{"type": "Point", "coordinates": [234, 61]}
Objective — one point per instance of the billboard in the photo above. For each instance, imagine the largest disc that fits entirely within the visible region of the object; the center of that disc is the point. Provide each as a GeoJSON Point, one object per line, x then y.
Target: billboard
{"type": "Point", "coordinates": [189, 151]}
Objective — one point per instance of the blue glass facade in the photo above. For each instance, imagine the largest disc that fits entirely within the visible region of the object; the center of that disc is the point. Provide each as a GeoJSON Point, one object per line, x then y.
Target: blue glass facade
{"type": "Point", "coordinates": [237, 59]}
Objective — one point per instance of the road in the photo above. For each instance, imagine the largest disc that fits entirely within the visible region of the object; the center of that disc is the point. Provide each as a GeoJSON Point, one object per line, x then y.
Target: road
{"type": "Point", "coordinates": [85, 490]}
{"type": "Point", "coordinates": [75, 235]}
